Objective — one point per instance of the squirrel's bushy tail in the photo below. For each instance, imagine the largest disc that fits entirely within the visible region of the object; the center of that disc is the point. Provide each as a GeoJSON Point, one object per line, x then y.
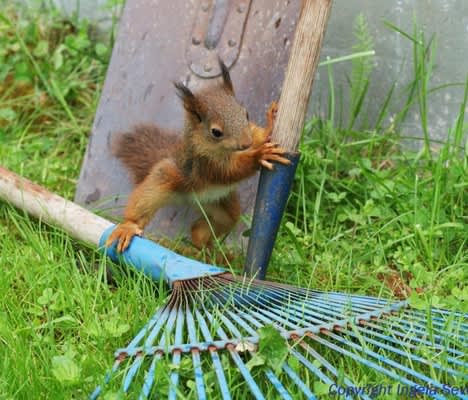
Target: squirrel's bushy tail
{"type": "Point", "coordinates": [141, 148]}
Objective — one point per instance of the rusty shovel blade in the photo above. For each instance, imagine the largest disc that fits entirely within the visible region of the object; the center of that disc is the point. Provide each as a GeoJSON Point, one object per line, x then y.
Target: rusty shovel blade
{"type": "Point", "coordinates": [164, 41]}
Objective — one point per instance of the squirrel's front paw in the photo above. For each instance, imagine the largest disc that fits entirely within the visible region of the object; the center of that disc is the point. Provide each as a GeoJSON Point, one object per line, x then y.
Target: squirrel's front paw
{"type": "Point", "coordinates": [124, 234]}
{"type": "Point", "coordinates": [272, 152]}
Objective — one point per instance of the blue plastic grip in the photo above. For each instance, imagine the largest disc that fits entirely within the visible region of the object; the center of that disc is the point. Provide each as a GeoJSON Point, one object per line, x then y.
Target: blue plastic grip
{"type": "Point", "coordinates": [157, 261]}
{"type": "Point", "coordinates": [272, 196]}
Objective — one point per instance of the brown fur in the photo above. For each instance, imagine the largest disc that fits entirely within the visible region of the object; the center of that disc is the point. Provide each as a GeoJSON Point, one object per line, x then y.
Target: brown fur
{"type": "Point", "coordinates": [143, 147]}
{"type": "Point", "coordinates": [200, 163]}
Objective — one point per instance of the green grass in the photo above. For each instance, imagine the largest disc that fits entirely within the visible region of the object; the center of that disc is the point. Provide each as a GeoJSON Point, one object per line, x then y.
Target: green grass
{"type": "Point", "coordinates": [362, 207]}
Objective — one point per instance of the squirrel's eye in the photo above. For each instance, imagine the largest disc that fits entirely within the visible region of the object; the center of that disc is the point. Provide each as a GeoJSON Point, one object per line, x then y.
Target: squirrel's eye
{"type": "Point", "coordinates": [216, 133]}
{"type": "Point", "coordinates": [247, 115]}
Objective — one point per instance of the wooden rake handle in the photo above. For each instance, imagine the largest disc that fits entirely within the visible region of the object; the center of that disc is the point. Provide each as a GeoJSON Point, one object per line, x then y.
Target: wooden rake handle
{"type": "Point", "coordinates": [144, 255]}
{"type": "Point", "coordinates": [51, 208]}
{"type": "Point", "coordinates": [274, 186]}
{"type": "Point", "coordinates": [303, 61]}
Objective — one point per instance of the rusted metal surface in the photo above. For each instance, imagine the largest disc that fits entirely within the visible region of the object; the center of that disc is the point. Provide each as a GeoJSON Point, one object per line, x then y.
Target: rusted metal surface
{"type": "Point", "coordinates": [217, 32]}
{"type": "Point", "coordinates": [150, 53]}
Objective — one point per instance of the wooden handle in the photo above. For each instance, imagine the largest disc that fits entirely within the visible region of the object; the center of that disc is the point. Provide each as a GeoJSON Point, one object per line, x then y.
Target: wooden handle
{"type": "Point", "coordinates": [51, 208]}
{"type": "Point", "coordinates": [300, 73]}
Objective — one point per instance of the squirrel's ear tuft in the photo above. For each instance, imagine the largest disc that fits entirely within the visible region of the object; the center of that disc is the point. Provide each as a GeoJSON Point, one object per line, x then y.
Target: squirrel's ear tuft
{"type": "Point", "coordinates": [226, 77]}
{"type": "Point", "coordinates": [190, 102]}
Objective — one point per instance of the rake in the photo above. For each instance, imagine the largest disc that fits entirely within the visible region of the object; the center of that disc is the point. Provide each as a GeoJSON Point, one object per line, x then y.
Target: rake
{"type": "Point", "coordinates": [203, 342]}
{"type": "Point", "coordinates": [200, 343]}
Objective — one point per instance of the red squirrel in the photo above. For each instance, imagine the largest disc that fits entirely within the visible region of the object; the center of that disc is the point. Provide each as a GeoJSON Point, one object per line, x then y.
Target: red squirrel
{"type": "Point", "coordinates": [219, 147]}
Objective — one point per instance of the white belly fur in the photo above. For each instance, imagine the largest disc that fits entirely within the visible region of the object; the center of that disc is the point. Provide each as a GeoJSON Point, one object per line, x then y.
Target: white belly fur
{"type": "Point", "coordinates": [211, 194]}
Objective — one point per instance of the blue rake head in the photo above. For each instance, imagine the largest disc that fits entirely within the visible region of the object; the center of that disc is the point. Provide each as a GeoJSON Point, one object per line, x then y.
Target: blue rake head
{"type": "Point", "coordinates": [199, 344]}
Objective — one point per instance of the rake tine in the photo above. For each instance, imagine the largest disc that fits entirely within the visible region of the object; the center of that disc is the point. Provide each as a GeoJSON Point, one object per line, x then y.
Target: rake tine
{"type": "Point", "coordinates": [319, 294]}
{"type": "Point", "coordinates": [323, 310]}
{"type": "Point", "coordinates": [155, 325]}
{"type": "Point", "coordinates": [308, 364]}
{"type": "Point", "coordinates": [170, 318]}
{"type": "Point", "coordinates": [260, 317]}
{"type": "Point", "coordinates": [155, 320]}
{"type": "Point", "coordinates": [362, 305]}
{"type": "Point", "coordinates": [294, 309]}
{"type": "Point", "coordinates": [248, 296]}
{"type": "Point", "coordinates": [250, 314]}
{"type": "Point", "coordinates": [243, 324]}
{"type": "Point", "coordinates": [312, 368]}
{"type": "Point", "coordinates": [401, 353]}
{"type": "Point", "coordinates": [445, 312]}
{"type": "Point", "coordinates": [132, 372]}
{"type": "Point", "coordinates": [170, 321]}
{"type": "Point", "coordinates": [411, 346]}
{"type": "Point", "coordinates": [140, 357]}
{"type": "Point", "coordinates": [149, 380]}
{"type": "Point", "coordinates": [285, 367]}
{"type": "Point", "coordinates": [214, 356]}
{"type": "Point", "coordinates": [229, 325]}
{"type": "Point", "coordinates": [408, 335]}
{"type": "Point", "coordinates": [417, 330]}
{"type": "Point", "coordinates": [328, 366]}
{"type": "Point", "coordinates": [278, 385]}
{"type": "Point", "coordinates": [174, 377]}
{"type": "Point", "coordinates": [440, 321]}
{"type": "Point", "coordinates": [269, 373]}
{"type": "Point", "coordinates": [150, 375]}
{"type": "Point", "coordinates": [439, 337]}
{"type": "Point", "coordinates": [256, 392]}
{"type": "Point", "coordinates": [394, 364]}
{"type": "Point", "coordinates": [237, 317]}
{"type": "Point", "coordinates": [298, 381]}
{"type": "Point", "coordinates": [223, 386]}
{"type": "Point", "coordinates": [233, 329]}
{"type": "Point", "coordinates": [357, 297]}
{"type": "Point", "coordinates": [286, 318]}
{"type": "Point", "coordinates": [267, 316]}
{"type": "Point", "coordinates": [177, 353]}
{"type": "Point", "coordinates": [107, 377]}
{"type": "Point", "coordinates": [356, 305]}
{"type": "Point", "coordinates": [373, 315]}
{"type": "Point", "coordinates": [195, 355]}
{"type": "Point", "coordinates": [369, 363]}
{"type": "Point", "coordinates": [308, 310]}
{"type": "Point", "coordinates": [436, 318]}
{"type": "Point", "coordinates": [417, 326]}
{"type": "Point", "coordinates": [438, 330]}
{"type": "Point", "coordinates": [238, 361]}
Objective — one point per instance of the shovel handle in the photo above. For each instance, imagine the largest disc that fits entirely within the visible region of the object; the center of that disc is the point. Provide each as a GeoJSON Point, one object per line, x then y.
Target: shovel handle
{"type": "Point", "coordinates": [297, 85]}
